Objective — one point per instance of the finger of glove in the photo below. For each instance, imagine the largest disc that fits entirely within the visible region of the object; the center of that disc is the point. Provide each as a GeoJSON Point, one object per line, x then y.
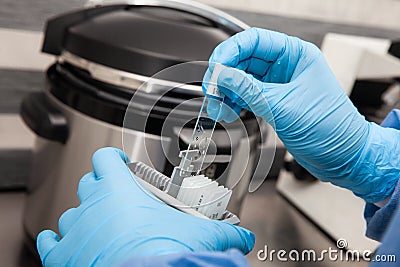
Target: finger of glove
{"type": "Point", "coordinates": [45, 243]}
{"type": "Point", "coordinates": [213, 106]}
{"type": "Point", "coordinates": [206, 80]}
{"type": "Point", "coordinates": [109, 166]}
{"type": "Point", "coordinates": [109, 161]}
{"type": "Point", "coordinates": [257, 67]}
{"type": "Point", "coordinates": [254, 66]}
{"type": "Point", "coordinates": [246, 91]}
{"type": "Point", "coordinates": [240, 87]}
{"type": "Point", "coordinates": [67, 220]}
{"type": "Point", "coordinates": [254, 43]}
{"type": "Point", "coordinates": [235, 237]}
{"type": "Point", "coordinates": [87, 186]}
{"type": "Point", "coordinates": [228, 111]}
{"type": "Point", "coordinates": [214, 110]}
{"type": "Point", "coordinates": [218, 111]}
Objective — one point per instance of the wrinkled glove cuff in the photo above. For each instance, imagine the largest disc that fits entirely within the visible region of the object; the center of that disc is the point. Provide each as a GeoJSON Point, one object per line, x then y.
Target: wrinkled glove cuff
{"type": "Point", "coordinates": [377, 171]}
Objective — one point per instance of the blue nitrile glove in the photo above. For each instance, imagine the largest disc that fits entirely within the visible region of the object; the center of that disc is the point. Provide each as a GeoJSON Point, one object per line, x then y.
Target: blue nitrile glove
{"type": "Point", "coordinates": [287, 82]}
{"type": "Point", "coordinates": [117, 220]}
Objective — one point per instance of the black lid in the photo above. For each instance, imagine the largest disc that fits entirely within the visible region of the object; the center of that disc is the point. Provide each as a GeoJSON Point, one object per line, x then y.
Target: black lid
{"type": "Point", "coordinates": [137, 39]}
{"type": "Point", "coordinates": [109, 103]}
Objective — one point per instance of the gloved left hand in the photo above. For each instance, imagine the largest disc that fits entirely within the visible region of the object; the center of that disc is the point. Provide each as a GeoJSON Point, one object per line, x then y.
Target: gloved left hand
{"type": "Point", "coordinates": [117, 219]}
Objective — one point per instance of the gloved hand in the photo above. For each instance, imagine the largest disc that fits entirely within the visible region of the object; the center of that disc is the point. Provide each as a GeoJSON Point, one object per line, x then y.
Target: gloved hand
{"type": "Point", "coordinates": [287, 82]}
{"type": "Point", "coordinates": [117, 219]}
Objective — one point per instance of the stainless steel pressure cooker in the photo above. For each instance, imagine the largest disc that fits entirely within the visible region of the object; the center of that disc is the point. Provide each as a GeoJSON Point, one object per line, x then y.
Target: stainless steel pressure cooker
{"type": "Point", "coordinates": [104, 55]}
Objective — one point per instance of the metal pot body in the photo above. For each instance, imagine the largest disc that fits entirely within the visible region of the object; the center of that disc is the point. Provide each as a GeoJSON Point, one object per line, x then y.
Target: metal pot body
{"type": "Point", "coordinates": [57, 167]}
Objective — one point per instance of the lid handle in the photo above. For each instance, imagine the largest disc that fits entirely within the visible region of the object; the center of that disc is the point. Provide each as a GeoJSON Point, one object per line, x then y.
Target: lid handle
{"type": "Point", "coordinates": [217, 16]}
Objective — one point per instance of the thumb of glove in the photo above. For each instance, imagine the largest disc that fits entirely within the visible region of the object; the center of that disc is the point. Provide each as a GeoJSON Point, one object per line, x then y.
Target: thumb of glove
{"type": "Point", "coordinates": [235, 237]}
{"type": "Point", "coordinates": [246, 91]}
{"type": "Point", "coordinates": [46, 241]}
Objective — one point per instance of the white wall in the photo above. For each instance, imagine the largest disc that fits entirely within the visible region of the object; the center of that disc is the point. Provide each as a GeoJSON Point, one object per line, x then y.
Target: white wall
{"type": "Point", "coordinates": [374, 13]}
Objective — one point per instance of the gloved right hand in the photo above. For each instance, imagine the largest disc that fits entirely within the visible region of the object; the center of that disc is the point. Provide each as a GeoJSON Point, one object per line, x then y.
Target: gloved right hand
{"type": "Point", "coordinates": [288, 83]}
